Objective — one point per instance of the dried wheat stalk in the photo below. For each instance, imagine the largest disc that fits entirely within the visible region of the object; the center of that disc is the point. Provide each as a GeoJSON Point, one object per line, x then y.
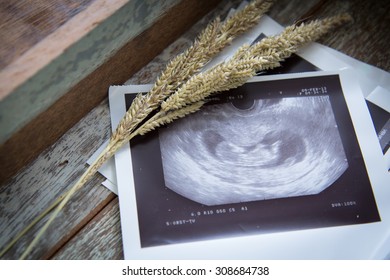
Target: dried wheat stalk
{"type": "Point", "coordinates": [248, 60]}
{"type": "Point", "coordinates": [211, 41]}
{"type": "Point", "coordinates": [181, 89]}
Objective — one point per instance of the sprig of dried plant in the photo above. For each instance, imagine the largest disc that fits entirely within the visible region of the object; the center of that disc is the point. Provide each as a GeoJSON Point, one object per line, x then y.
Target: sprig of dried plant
{"type": "Point", "coordinates": [248, 60]}
{"type": "Point", "coordinates": [211, 41]}
{"type": "Point", "coordinates": [182, 89]}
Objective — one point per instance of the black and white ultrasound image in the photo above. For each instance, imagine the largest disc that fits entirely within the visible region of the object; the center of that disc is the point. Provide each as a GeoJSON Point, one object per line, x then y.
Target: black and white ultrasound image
{"type": "Point", "coordinates": [266, 157]}
{"type": "Point", "coordinates": [255, 150]}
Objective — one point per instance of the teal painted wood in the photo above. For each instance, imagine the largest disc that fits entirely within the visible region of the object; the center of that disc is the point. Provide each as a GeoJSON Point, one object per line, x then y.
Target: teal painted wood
{"type": "Point", "coordinates": [25, 23]}
{"type": "Point", "coordinates": [74, 64]}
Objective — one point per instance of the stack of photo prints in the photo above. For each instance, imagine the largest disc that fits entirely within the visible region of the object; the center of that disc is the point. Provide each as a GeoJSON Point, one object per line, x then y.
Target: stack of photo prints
{"type": "Point", "coordinates": [292, 165]}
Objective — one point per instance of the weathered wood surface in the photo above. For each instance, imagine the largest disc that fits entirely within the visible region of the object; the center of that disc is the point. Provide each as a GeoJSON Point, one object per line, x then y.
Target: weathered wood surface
{"type": "Point", "coordinates": [366, 39]}
{"type": "Point", "coordinates": [50, 174]}
{"type": "Point", "coordinates": [104, 227]}
{"type": "Point", "coordinates": [57, 57]}
{"type": "Point", "coordinates": [25, 23]}
{"type": "Point", "coordinates": [89, 227]}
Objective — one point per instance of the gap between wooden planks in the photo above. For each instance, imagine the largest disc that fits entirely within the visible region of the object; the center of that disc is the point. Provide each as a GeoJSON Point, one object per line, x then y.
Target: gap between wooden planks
{"type": "Point", "coordinates": [110, 201]}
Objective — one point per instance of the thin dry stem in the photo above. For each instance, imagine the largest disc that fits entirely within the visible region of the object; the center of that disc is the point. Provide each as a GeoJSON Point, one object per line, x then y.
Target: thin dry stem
{"type": "Point", "coordinates": [163, 118]}
{"type": "Point", "coordinates": [33, 223]}
{"type": "Point", "coordinates": [106, 153]}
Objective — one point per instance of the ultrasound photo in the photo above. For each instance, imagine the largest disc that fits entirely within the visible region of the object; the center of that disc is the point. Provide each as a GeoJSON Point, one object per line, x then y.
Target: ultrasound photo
{"type": "Point", "coordinates": [254, 150]}
{"type": "Point", "coordinates": [266, 157]}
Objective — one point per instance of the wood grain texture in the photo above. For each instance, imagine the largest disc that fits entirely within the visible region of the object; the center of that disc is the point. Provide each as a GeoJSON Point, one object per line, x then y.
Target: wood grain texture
{"type": "Point", "coordinates": [287, 12]}
{"type": "Point", "coordinates": [25, 23]}
{"type": "Point", "coordinates": [50, 175]}
{"type": "Point", "coordinates": [48, 70]}
{"type": "Point", "coordinates": [40, 132]}
{"type": "Point", "coordinates": [88, 243]}
{"type": "Point", "coordinates": [90, 222]}
{"type": "Point", "coordinates": [99, 30]}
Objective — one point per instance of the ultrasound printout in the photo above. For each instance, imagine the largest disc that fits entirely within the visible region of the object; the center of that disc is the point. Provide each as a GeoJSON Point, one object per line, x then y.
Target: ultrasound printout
{"type": "Point", "coordinates": [248, 151]}
{"type": "Point", "coordinates": [269, 156]}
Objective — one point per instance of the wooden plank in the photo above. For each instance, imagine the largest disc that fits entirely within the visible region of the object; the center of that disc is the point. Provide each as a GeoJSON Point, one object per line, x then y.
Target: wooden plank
{"type": "Point", "coordinates": [46, 71]}
{"type": "Point", "coordinates": [100, 239]}
{"type": "Point", "coordinates": [287, 12]}
{"type": "Point", "coordinates": [55, 170]}
{"type": "Point", "coordinates": [25, 23]}
{"type": "Point", "coordinates": [40, 132]}
{"type": "Point", "coordinates": [56, 43]}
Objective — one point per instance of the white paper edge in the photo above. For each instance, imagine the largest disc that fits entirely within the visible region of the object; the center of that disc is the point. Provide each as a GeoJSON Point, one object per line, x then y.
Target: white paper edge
{"type": "Point", "coordinates": [111, 185]}
{"type": "Point", "coordinates": [107, 169]}
{"type": "Point", "coordinates": [381, 97]}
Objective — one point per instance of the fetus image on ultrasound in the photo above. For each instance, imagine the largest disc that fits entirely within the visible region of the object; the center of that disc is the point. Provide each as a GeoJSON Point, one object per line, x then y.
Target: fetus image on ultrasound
{"type": "Point", "coordinates": [254, 150]}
